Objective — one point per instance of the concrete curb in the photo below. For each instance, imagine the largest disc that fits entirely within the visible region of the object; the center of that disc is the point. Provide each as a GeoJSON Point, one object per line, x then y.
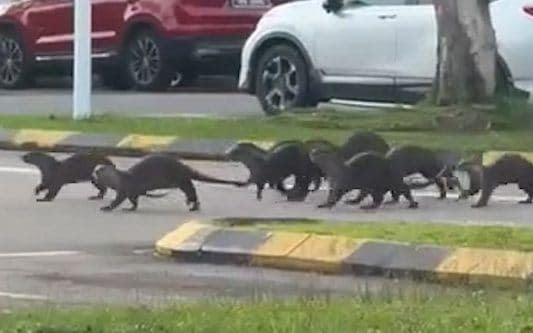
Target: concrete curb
{"type": "Point", "coordinates": [205, 242]}
{"type": "Point", "coordinates": [117, 144]}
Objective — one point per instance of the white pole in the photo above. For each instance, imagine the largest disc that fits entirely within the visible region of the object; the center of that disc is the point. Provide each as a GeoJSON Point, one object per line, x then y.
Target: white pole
{"type": "Point", "coordinates": [82, 60]}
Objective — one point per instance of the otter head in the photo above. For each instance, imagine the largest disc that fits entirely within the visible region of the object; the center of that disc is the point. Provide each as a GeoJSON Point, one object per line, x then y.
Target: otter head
{"type": "Point", "coordinates": [105, 174]}
{"type": "Point", "coordinates": [320, 154]}
{"type": "Point", "coordinates": [34, 157]}
{"type": "Point", "coordinates": [243, 149]}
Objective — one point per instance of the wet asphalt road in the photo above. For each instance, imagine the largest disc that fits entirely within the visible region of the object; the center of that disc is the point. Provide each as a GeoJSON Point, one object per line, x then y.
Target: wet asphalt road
{"type": "Point", "coordinates": [69, 252]}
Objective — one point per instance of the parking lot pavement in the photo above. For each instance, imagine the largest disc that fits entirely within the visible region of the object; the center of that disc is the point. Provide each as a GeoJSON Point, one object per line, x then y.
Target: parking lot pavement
{"type": "Point", "coordinates": [69, 251]}
{"type": "Point", "coordinates": [209, 97]}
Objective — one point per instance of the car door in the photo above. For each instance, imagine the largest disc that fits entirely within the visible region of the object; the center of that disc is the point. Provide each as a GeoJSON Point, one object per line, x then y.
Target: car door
{"type": "Point", "coordinates": [357, 44]}
{"type": "Point", "coordinates": [416, 58]}
{"type": "Point", "coordinates": [51, 24]}
{"type": "Point", "coordinates": [108, 21]}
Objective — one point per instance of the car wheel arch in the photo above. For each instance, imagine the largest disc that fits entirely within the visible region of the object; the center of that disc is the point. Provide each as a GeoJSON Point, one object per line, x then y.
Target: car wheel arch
{"type": "Point", "coordinates": [272, 40]}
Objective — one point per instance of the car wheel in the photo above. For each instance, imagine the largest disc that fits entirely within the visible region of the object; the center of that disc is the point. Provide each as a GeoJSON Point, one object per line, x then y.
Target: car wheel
{"type": "Point", "coordinates": [146, 64]}
{"type": "Point", "coordinates": [282, 80]}
{"type": "Point", "coordinates": [13, 62]}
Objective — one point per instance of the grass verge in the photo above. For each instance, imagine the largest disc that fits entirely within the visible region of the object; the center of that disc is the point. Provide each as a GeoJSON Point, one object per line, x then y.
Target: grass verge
{"type": "Point", "coordinates": [397, 126]}
{"type": "Point", "coordinates": [494, 237]}
{"type": "Point", "coordinates": [468, 313]}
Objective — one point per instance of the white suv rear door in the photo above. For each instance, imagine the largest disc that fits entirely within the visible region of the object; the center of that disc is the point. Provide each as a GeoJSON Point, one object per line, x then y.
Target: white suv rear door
{"type": "Point", "coordinates": [357, 44]}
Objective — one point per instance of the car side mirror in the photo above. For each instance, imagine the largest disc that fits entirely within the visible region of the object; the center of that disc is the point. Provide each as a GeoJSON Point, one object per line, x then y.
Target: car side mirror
{"type": "Point", "coordinates": [332, 6]}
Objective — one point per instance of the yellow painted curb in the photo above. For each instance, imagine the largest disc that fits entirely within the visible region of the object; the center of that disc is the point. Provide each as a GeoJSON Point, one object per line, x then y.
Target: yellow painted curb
{"type": "Point", "coordinates": [491, 156]}
{"type": "Point", "coordinates": [42, 138]}
{"type": "Point", "coordinates": [484, 266]}
{"type": "Point", "coordinates": [172, 240]}
{"type": "Point", "coordinates": [278, 245]}
{"type": "Point", "coordinates": [145, 142]}
{"type": "Point", "coordinates": [321, 253]}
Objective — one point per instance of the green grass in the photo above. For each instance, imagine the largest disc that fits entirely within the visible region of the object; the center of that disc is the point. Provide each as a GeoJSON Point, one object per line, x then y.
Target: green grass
{"type": "Point", "coordinates": [439, 234]}
{"type": "Point", "coordinates": [397, 126]}
{"type": "Point", "coordinates": [464, 313]}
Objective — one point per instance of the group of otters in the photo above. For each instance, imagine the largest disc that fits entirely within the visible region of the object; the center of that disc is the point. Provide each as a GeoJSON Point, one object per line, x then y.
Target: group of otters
{"type": "Point", "coordinates": [365, 162]}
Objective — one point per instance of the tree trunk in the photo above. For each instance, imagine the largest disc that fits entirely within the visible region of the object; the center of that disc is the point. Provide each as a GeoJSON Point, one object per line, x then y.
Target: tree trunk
{"type": "Point", "coordinates": [466, 66]}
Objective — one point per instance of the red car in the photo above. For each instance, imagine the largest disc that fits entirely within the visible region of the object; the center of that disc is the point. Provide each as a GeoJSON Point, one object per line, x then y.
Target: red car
{"type": "Point", "coordinates": [136, 43]}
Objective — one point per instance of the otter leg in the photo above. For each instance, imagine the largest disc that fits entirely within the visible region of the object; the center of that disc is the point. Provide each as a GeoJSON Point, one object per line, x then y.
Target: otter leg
{"type": "Point", "coordinates": [191, 195]}
{"type": "Point", "coordinates": [120, 197]}
{"type": "Point", "coordinates": [334, 196]}
{"type": "Point", "coordinates": [377, 200]}
{"type": "Point", "coordinates": [395, 198]}
{"type": "Point", "coordinates": [259, 191]}
{"type": "Point", "coordinates": [463, 195]}
{"type": "Point", "coordinates": [486, 192]}
{"type": "Point", "coordinates": [300, 190]}
{"type": "Point", "coordinates": [406, 192]}
{"type": "Point", "coordinates": [53, 190]}
{"type": "Point", "coordinates": [529, 191]}
{"type": "Point", "coordinates": [360, 197]}
{"type": "Point", "coordinates": [39, 188]}
{"type": "Point", "coordinates": [317, 182]}
{"type": "Point", "coordinates": [102, 190]}
{"type": "Point", "coordinates": [442, 188]}
{"type": "Point", "coordinates": [280, 187]}
{"type": "Point", "coordinates": [134, 200]}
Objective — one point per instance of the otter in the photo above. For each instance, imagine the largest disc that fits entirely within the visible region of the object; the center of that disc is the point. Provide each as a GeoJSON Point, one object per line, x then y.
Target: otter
{"type": "Point", "coordinates": [155, 171]}
{"type": "Point", "coordinates": [508, 169]}
{"type": "Point", "coordinates": [369, 172]}
{"type": "Point", "coordinates": [362, 141]}
{"type": "Point", "coordinates": [467, 177]}
{"type": "Point", "coordinates": [408, 160]}
{"type": "Point", "coordinates": [285, 159]}
{"type": "Point", "coordinates": [55, 173]}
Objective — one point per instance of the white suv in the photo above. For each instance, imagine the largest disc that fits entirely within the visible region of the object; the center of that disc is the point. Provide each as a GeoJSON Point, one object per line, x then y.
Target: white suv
{"type": "Point", "coordinates": [303, 52]}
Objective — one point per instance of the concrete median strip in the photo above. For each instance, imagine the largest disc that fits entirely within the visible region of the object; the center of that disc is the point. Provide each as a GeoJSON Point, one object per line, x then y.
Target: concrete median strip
{"type": "Point", "coordinates": [132, 144]}
{"type": "Point", "coordinates": [117, 144]}
{"type": "Point", "coordinates": [210, 242]}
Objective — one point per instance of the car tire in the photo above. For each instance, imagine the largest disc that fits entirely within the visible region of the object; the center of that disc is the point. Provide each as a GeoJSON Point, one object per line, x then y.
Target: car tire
{"type": "Point", "coordinates": [145, 62]}
{"type": "Point", "coordinates": [282, 80]}
{"type": "Point", "coordinates": [14, 64]}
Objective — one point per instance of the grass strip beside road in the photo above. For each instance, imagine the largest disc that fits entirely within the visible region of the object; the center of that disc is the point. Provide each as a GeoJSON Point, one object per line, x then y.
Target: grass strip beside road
{"type": "Point", "coordinates": [464, 313]}
{"type": "Point", "coordinates": [398, 127]}
{"type": "Point", "coordinates": [493, 237]}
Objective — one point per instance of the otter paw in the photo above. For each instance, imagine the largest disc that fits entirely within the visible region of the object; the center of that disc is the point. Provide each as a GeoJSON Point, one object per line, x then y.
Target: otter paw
{"type": "Point", "coordinates": [478, 205]}
{"type": "Point", "coordinates": [96, 197]}
{"type": "Point", "coordinates": [413, 205]}
{"type": "Point", "coordinates": [325, 205]}
{"type": "Point", "coordinates": [106, 209]}
{"type": "Point", "coordinates": [43, 200]}
{"type": "Point", "coordinates": [526, 202]}
{"type": "Point", "coordinates": [195, 207]}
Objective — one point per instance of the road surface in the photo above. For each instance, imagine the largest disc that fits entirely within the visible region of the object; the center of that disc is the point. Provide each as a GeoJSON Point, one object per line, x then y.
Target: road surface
{"type": "Point", "coordinates": [210, 97]}
{"type": "Point", "coordinates": [68, 251]}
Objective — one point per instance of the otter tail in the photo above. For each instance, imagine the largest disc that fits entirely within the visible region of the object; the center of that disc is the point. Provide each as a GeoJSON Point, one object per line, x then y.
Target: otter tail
{"type": "Point", "coordinates": [208, 179]}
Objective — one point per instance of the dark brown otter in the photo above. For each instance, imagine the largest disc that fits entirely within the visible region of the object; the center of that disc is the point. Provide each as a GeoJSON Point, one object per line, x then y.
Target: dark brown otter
{"type": "Point", "coordinates": [55, 173]}
{"type": "Point", "coordinates": [154, 172]}
{"type": "Point", "coordinates": [509, 169]}
{"type": "Point", "coordinates": [369, 172]}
